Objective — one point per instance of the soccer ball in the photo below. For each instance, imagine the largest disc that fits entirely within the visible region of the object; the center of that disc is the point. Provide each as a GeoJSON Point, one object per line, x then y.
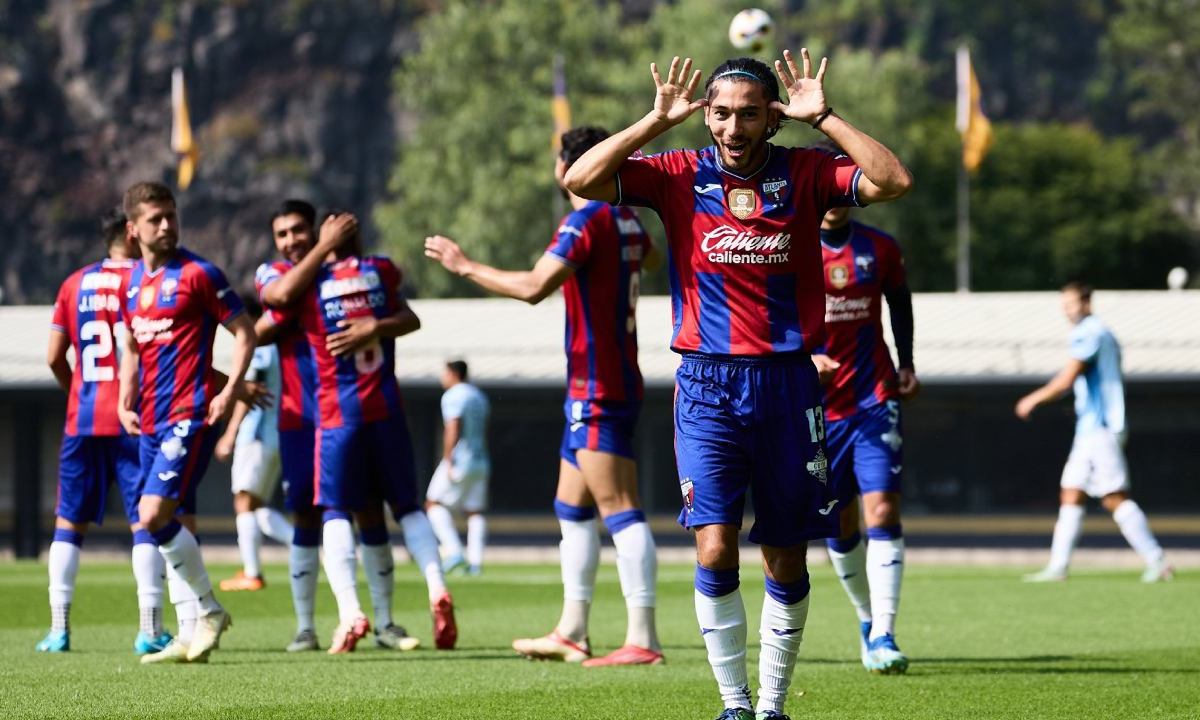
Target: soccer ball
{"type": "Point", "coordinates": [750, 29]}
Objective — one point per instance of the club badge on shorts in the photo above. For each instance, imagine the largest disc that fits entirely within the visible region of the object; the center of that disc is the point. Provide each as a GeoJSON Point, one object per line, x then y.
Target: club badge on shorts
{"type": "Point", "coordinates": [742, 202]}
{"type": "Point", "coordinates": [818, 467]}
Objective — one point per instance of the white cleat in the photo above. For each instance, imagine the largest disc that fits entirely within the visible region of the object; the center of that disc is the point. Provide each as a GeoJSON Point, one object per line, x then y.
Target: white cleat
{"type": "Point", "coordinates": [207, 634]}
{"type": "Point", "coordinates": [553, 647]}
{"type": "Point", "coordinates": [1047, 574]}
{"type": "Point", "coordinates": [1158, 571]}
{"type": "Point", "coordinates": [174, 652]}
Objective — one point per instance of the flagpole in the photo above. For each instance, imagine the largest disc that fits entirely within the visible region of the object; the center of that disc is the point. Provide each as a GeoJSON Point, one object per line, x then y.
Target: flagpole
{"type": "Point", "coordinates": [561, 108]}
{"type": "Point", "coordinates": [964, 230]}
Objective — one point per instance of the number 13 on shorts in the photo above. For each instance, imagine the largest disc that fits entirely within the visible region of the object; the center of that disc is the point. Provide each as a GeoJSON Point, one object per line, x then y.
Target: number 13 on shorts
{"type": "Point", "coordinates": [816, 423]}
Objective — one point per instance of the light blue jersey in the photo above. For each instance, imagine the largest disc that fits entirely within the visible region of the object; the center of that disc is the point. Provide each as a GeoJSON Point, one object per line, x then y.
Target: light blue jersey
{"type": "Point", "coordinates": [1099, 393]}
{"type": "Point", "coordinates": [262, 425]}
{"type": "Point", "coordinates": [466, 402]}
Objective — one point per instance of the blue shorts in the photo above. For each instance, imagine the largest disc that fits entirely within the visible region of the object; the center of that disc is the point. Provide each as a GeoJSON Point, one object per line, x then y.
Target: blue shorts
{"type": "Point", "coordinates": [754, 424]}
{"type": "Point", "coordinates": [359, 466]}
{"type": "Point", "coordinates": [865, 452]}
{"type": "Point", "coordinates": [87, 465]}
{"type": "Point", "coordinates": [297, 458]}
{"type": "Point", "coordinates": [598, 425]}
{"type": "Point", "coordinates": [174, 460]}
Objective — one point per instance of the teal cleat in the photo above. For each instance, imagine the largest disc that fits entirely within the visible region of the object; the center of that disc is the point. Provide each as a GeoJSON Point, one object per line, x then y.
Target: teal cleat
{"type": "Point", "coordinates": [885, 658]}
{"type": "Point", "coordinates": [56, 641]}
{"type": "Point", "coordinates": [144, 644]}
{"type": "Point", "coordinates": [454, 565]}
{"type": "Point", "coordinates": [864, 629]}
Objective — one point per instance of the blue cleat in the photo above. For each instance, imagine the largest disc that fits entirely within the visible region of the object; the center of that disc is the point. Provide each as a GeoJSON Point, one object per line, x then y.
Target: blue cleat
{"type": "Point", "coordinates": [56, 641]}
{"type": "Point", "coordinates": [885, 658]}
{"type": "Point", "coordinates": [454, 565]}
{"type": "Point", "coordinates": [144, 644]}
{"type": "Point", "coordinates": [864, 628]}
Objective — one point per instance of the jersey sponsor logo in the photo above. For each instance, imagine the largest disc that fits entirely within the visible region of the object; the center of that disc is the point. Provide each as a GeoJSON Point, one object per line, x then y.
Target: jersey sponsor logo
{"type": "Point", "coordinates": [705, 189]}
{"type": "Point", "coordinates": [742, 202]}
{"type": "Point", "coordinates": [152, 329]}
{"type": "Point", "coordinates": [818, 467]}
{"type": "Point", "coordinates": [734, 247]}
{"type": "Point", "coordinates": [366, 282]}
{"type": "Point", "coordinates": [839, 276]}
{"type": "Point", "coordinates": [846, 309]}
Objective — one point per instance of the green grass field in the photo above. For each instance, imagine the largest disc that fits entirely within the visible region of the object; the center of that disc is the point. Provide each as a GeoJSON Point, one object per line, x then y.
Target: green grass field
{"type": "Point", "coordinates": [983, 646]}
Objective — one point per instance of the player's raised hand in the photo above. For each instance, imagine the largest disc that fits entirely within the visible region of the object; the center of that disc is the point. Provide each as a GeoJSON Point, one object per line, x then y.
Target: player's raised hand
{"type": "Point", "coordinates": [448, 253]}
{"type": "Point", "coordinates": [806, 94]}
{"type": "Point", "coordinates": [673, 99]}
{"type": "Point", "coordinates": [337, 229]}
{"type": "Point", "coordinates": [355, 334]}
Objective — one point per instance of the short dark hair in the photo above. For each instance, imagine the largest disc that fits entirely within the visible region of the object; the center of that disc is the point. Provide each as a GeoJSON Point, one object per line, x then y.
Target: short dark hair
{"type": "Point", "coordinates": [1082, 289]}
{"type": "Point", "coordinates": [302, 208]}
{"type": "Point", "coordinates": [577, 141]}
{"type": "Point", "coordinates": [747, 69]}
{"type": "Point", "coordinates": [145, 192]}
{"type": "Point", "coordinates": [112, 226]}
{"type": "Point", "coordinates": [459, 368]}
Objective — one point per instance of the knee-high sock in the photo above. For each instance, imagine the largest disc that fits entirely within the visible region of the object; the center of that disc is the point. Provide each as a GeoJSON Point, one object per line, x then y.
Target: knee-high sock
{"type": "Point", "coordinates": [303, 558]}
{"type": "Point", "coordinates": [885, 569]}
{"type": "Point", "coordinates": [849, 558]}
{"type": "Point", "coordinates": [637, 568]}
{"type": "Point", "coordinates": [1066, 533]}
{"type": "Point", "coordinates": [1136, 529]}
{"type": "Point", "coordinates": [476, 539]}
{"type": "Point", "coordinates": [442, 522]}
{"type": "Point", "coordinates": [784, 612]}
{"type": "Point", "coordinates": [579, 558]}
{"type": "Point", "coordinates": [149, 571]}
{"type": "Point", "coordinates": [274, 525]}
{"type": "Point", "coordinates": [341, 565]}
{"type": "Point", "coordinates": [64, 566]}
{"type": "Point", "coordinates": [180, 550]}
{"type": "Point", "coordinates": [379, 567]}
{"type": "Point", "coordinates": [184, 600]}
{"type": "Point", "coordinates": [423, 546]}
{"type": "Point", "coordinates": [722, 618]}
{"type": "Point", "coordinates": [249, 540]}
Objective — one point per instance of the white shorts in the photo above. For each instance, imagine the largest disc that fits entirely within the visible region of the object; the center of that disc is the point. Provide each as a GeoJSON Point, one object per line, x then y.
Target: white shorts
{"type": "Point", "coordinates": [255, 470]}
{"type": "Point", "coordinates": [1096, 464]}
{"type": "Point", "coordinates": [466, 491]}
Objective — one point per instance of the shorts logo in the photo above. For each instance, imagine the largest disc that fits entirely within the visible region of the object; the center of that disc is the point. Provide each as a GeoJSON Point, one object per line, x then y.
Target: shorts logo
{"type": "Point", "coordinates": [839, 276]}
{"type": "Point", "coordinates": [173, 448]}
{"type": "Point", "coordinates": [688, 489]}
{"type": "Point", "coordinates": [742, 202]}
{"type": "Point", "coordinates": [168, 476]}
{"type": "Point", "coordinates": [893, 439]}
{"type": "Point", "coordinates": [818, 467]}
{"type": "Point", "coordinates": [828, 508]}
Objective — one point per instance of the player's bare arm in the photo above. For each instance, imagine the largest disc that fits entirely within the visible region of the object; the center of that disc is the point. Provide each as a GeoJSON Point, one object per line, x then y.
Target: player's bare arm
{"type": "Point", "coordinates": [1058, 386]}
{"type": "Point", "coordinates": [56, 358]}
{"type": "Point", "coordinates": [265, 330]}
{"type": "Point", "coordinates": [224, 448]}
{"type": "Point", "coordinates": [884, 176]}
{"type": "Point", "coordinates": [334, 231]}
{"type": "Point", "coordinates": [593, 176]}
{"type": "Point", "coordinates": [531, 286]}
{"type": "Point", "coordinates": [127, 395]}
{"type": "Point", "coordinates": [451, 434]}
{"type": "Point", "coordinates": [243, 350]}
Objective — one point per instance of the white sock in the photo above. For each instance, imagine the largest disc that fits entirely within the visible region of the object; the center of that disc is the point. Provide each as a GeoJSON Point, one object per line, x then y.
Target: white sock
{"type": "Point", "coordinates": [851, 569]}
{"type": "Point", "coordinates": [422, 545]}
{"type": "Point", "coordinates": [442, 522]}
{"type": "Point", "coordinates": [476, 539]}
{"type": "Point", "coordinates": [379, 568]}
{"type": "Point", "coordinates": [579, 558]}
{"type": "Point", "coordinates": [780, 634]}
{"type": "Point", "coordinates": [148, 572]}
{"type": "Point", "coordinates": [249, 540]}
{"type": "Point", "coordinates": [1136, 529]}
{"type": "Point", "coordinates": [302, 565]}
{"type": "Point", "coordinates": [1066, 534]}
{"type": "Point", "coordinates": [274, 525]}
{"type": "Point", "coordinates": [184, 600]}
{"type": "Point", "coordinates": [341, 567]}
{"type": "Point", "coordinates": [63, 559]}
{"type": "Point", "coordinates": [637, 568]}
{"type": "Point", "coordinates": [183, 554]}
{"type": "Point", "coordinates": [723, 625]}
{"type": "Point", "coordinates": [885, 569]}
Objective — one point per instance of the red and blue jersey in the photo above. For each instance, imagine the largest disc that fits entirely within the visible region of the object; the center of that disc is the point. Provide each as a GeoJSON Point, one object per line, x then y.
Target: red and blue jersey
{"type": "Point", "coordinates": [298, 387]}
{"type": "Point", "coordinates": [88, 310]}
{"type": "Point", "coordinates": [605, 245]}
{"type": "Point", "coordinates": [173, 313]}
{"type": "Point", "coordinates": [745, 258]}
{"type": "Point", "coordinates": [862, 264]}
{"type": "Point", "coordinates": [360, 387]}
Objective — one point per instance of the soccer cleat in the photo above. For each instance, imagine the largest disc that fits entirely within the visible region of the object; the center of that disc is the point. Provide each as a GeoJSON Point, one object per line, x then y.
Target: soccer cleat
{"type": "Point", "coordinates": [305, 640]}
{"type": "Point", "coordinates": [1046, 574]}
{"type": "Point", "coordinates": [445, 630]}
{"type": "Point", "coordinates": [864, 628]}
{"type": "Point", "coordinates": [207, 634]}
{"type": "Point", "coordinates": [553, 647]}
{"type": "Point", "coordinates": [886, 658]}
{"type": "Point", "coordinates": [736, 714]}
{"type": "Point", "coordinates": [771, 715]}
{"type": "Point", "coordinates": [396, 637]}
{"type": "Point", "coordinates": [174, 652]}
{"type": "Point", "coordinates": [241, 581]}
{"type": "Point", "coordinates": [347, 635]}
{"type": "Point", "coordinates": [144, 643]}
{"type": "Point", "coordinates": [474, 570]}
{"type": "Point", "coordinates": [56, 641]}
{"type": "Point", "coordinates": [455, 564]}
{"type": "Point", "coordinates": [627, 655]}
{"type": "Point", "coordinates": [1158, 571]}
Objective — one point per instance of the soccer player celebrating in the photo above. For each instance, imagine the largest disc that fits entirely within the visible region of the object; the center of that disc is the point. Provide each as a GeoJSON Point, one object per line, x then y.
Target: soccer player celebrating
{"type": "Point", "coordinates": [1096, 465]}
{"type": "Point", "coordinates": [862, 413]}
{"type": "Point", "coordinates": [460, 482]}
{"type": "Point", "coordinates": [742, 218]}
{"type": "Point", "coordinates": [351, 311]}
{"type": "Point", "coordinates": [96, 451]}
{"type": "Point", "coordinates": [596, 256]}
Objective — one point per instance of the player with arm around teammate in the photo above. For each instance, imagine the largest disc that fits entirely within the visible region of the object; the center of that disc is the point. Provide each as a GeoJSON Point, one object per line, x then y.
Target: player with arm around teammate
{"type": "Point", "coordinates": [596, 257]}
{"type": "Point", "coordinates": [742, 219]}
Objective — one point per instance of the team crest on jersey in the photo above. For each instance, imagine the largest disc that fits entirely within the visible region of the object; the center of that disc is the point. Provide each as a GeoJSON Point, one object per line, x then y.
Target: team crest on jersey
{"type": "Point", "coordinates": [688, 489]}
{"type": "Point", "coordinates": [839, 276]}
{"type": "Point", "coordinates": [168, 288]}
{"type": "Point", "coordinates": [865, 263]}
{"type": "Point", "coordinates": [818, 467]}
{"type": "Point", "coordinates": [774, 189]}
{"type": "Point", "coordinates": [147, 298]}
{"type": "Point", "coordinates": [742, 202]}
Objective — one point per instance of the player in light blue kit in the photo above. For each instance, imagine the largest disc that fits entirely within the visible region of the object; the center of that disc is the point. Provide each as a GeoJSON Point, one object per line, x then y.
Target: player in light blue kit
{"type": "Point", "coordinates": [460, 482]}
{"type": "Point", "coordinates": [1096, 465]}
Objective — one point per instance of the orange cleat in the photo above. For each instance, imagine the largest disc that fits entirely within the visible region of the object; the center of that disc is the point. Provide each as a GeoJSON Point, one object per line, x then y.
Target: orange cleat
{"type": "Point", "coordinates": [627, 655]}
{"type": "Point", "coordinates": [242, 581]}
{"type": "Point", "coordinates": [445, 631]}
{"type": "Point", "coordinates": [347, 635]}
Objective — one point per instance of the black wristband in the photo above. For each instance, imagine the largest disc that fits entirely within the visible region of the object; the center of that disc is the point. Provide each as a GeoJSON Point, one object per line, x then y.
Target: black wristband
{"type": "Point", "coordinates": [821, 118]}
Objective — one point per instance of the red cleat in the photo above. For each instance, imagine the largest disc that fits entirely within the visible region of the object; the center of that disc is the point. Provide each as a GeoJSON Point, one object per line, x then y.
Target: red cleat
{"type": "Point", "coordinates": [627, 655]}
{"type": "Point", "coordinates": [445, 631]}
{"type": "Point", "coordinates": [347, 635]}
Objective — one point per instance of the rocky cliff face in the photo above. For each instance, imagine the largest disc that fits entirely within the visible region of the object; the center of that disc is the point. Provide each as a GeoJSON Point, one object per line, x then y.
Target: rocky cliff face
{"type": "Point", "coordinates": [288, 99]}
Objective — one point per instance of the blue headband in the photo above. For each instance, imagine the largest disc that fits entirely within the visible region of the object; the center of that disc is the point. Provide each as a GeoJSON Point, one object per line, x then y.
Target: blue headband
{"type": "Point", "coordinates": [727, 73]}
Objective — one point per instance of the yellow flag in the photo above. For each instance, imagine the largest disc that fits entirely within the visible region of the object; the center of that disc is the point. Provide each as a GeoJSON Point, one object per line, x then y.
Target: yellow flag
{"type": "Point", "coordinates": [972, 124]}
{"type": "Point", "coordinates": [559, 106]}
{"type": "Point", "coordinates": [181, 131]}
